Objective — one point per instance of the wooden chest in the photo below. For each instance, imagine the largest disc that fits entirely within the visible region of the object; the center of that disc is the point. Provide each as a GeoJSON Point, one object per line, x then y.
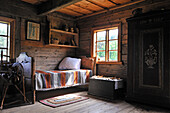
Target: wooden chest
{"type": "Point", "coordinates": [105, 88]}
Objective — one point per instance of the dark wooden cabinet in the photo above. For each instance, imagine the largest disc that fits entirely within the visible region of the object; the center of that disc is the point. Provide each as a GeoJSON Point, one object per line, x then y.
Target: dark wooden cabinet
{"type": "Point", "coordinates": [148, 78]}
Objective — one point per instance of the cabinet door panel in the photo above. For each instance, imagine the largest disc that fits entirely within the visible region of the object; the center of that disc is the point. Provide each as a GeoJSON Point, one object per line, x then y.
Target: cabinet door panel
{"type": "Point", "coordinates": [149, 72]}
{"type": "Point", "coordinates": [150, 59]}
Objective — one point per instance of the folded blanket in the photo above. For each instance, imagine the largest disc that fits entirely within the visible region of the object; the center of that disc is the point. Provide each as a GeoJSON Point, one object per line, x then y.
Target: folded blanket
{"type": "Point", "coordinates": [46, 80]}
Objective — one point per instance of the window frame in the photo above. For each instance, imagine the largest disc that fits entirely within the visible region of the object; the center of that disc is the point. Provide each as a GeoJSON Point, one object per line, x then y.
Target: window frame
{"type": "Point", "coordinates": [12, 34]}
{"type": "Point", "coordinates": [105, 28]}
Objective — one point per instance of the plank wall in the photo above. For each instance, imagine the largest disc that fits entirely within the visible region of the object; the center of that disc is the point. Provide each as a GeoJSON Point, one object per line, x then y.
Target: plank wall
{"type": "Point", "coordinates": [46, 57]}
{"type": "Point", "coordinates": [111, 18]}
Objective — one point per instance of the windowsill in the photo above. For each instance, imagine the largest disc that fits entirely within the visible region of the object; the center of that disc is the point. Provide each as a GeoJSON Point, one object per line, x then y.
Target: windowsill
{"type": "Point", "coordinates": [108, 62]}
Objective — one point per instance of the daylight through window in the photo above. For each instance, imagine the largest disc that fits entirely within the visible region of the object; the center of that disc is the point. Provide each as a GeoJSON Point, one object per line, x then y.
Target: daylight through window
{"type": "Point", "coordinates": [5, 40]}
{"type": "Point", "coordinates": [106, 45]}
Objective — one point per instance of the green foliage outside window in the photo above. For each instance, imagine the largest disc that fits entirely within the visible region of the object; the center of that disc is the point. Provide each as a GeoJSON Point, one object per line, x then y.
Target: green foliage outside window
{"type": "Point", "coordinates": [113, 56]}
{"type": "Point", "coordinates": [101, 45]}
{"type": "Point", "coordinates": [107, 45]}
{"type": "Point", "coordinates": [113, 45]}
{"type": "Point", "coordinates": [101, 56]}
{"type": "Point", "coordinates": [3, 39]}
{"type": "Point", "coordinates": [3, 42]}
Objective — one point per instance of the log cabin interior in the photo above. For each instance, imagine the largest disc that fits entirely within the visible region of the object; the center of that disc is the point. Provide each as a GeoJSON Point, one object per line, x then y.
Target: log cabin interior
{"type": "Point", "coordinates": [123, 46]}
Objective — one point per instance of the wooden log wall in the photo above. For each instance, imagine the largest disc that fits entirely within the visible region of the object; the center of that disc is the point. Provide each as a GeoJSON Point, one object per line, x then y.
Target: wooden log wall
{"type": "Point", "coordinates": [46, 57]}
{"type": "Point", "coordinates": [111, 18]}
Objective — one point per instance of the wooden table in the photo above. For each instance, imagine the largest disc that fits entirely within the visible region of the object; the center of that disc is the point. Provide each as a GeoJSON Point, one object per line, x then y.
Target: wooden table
{"type": "Point", "coordinates": [106, 88]}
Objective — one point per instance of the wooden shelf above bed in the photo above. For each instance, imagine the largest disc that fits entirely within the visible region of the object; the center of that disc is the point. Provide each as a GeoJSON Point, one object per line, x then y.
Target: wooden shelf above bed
{"type": "Point", "coordinates": [65, 32]}
{"type": "Point", "coordinates": [60, 38]}
{"type": "Point", "coordinates": [70, 46]}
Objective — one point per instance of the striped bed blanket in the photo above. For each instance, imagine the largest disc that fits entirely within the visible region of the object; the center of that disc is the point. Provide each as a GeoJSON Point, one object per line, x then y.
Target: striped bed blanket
{"type": "Point", "coordinates": [47, 80]}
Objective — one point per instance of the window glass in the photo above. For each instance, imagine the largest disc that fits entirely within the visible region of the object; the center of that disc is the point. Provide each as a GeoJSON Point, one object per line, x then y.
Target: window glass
{"type": "Point", "coordinates": [106, 45]}
{"type": "Point", "coordinates": [113, 56]}
{"type": "Point", "coordinates": [101, 45]}
{"type": "Point", "coordinates": [101, 35]}
{"type": "Point", "coordinates": [113, 34]}
{"type": "Point", "coordinates": [101, 56]}
{"type": "Point", "coordinates": [113, 45]}
{"type": "Point", "coordinates": [3, 42]}
{"type": "Point", "coordinates": [3, 29]}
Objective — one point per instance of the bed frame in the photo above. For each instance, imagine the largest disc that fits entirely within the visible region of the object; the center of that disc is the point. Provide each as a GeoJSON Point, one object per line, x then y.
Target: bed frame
{"type": "Point", "coordinates": [29, 70]}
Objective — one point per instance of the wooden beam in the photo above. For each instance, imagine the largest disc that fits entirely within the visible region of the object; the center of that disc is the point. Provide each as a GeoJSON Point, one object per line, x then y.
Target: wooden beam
{"type": "Point", "coordinates": [114, 2]}
{"type": "Point", "coordinates": [54, 5]}
{"type": "Point", "coordinates": [110, 9]}
{"type": "Point", "coordinates": [17, 8]}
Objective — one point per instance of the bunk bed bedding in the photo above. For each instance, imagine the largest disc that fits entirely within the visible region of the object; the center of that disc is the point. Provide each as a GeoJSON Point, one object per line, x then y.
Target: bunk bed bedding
{"type": "Point", "coordinates": [47, 80]}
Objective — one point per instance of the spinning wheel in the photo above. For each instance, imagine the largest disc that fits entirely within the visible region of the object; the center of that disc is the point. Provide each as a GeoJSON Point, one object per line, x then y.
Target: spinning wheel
{"type": "Point", "coordinates": [17, 73]}
{"type": "Point", "coordinates": [14, 76]}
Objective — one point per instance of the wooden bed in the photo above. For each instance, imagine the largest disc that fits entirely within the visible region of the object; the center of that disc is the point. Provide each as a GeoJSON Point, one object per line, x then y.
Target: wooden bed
{"type": "Point", "coordinates": [30, 72]}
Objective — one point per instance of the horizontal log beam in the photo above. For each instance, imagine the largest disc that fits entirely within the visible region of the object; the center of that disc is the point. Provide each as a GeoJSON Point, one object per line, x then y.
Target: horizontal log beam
{"type": "Point", "coordinates": [17, 8]}
{"type": "Point", "coordinates": [54, 5]}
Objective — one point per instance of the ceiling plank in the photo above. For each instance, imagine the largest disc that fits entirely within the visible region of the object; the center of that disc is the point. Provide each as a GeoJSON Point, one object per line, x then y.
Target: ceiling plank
{"type": "Point", "coordinates": [74, 11]}
{"type": "Point", "coordinates": [79, 9]}
{"type": "Point", "coordinates": [96, 4]}
{"type": "Point", "coordinates": [114, 2]}
{"type": "Point", "coordinates": [83, 8]}
{"type": "Point", "coordinates": [69, 12]}
{"type": "Point", "coordinates": [104, 3]}
{"type": "Point", "coordinates": [110, 9]}
{"type": "Point", "coordinates": [88, 5]}
{"type": "Point", "coordinates": [54, 5]}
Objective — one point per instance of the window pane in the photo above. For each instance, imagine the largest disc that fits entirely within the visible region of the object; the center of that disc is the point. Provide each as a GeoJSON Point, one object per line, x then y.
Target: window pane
{"type": "Point", "coordinates": [113, 56]}
{"type": "Point", "coordinates": [3, 29]}
{"type": "Point", "coordinates": [113, 45]}
{"type": "Point", "coordinates": [100, 45]}
{"type": "Point", "coordinates": [101, 56]}
{"type": "Point", "coordinates": [3, 42]}
{"type": "Point", "coordinates": [101, 35]}
{"type": "Point", "coordinates": [113, 34]}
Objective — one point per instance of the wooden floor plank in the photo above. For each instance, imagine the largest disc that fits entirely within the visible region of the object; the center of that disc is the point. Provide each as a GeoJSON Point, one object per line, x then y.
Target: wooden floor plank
{"type": "Point", "coordinates": [91, 105]}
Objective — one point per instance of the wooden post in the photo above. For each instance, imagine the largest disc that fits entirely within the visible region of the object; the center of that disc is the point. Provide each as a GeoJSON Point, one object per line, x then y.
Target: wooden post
{"type": "Point", "coordinates": [33, 81]}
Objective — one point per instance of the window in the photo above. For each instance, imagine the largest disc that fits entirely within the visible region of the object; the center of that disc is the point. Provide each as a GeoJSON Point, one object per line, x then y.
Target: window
{"type": "Point", "coordinates": [7, 38]}
{"type": "Point", "coordinates": [106, 45]}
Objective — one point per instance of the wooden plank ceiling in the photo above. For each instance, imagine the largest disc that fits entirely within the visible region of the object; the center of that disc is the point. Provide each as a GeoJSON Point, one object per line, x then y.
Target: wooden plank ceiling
{"type": "Point", "coordinates": [79, 8]}
{"type": "Point", "coordinates": [86, 7]}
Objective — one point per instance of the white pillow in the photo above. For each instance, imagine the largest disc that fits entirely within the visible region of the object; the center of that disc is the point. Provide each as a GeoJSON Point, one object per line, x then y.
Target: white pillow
{"type": "Point", "coordinates": [70, 63]}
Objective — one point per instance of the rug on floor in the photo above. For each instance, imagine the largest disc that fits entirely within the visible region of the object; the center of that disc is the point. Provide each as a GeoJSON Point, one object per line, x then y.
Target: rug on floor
{"type": "Point", "coordinates": [62, 100]}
